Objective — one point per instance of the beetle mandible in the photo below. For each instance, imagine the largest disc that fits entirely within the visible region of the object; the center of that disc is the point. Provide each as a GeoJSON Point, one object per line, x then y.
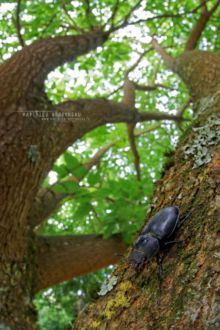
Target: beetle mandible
{"type": "Point", "coordinates": [156, 234]}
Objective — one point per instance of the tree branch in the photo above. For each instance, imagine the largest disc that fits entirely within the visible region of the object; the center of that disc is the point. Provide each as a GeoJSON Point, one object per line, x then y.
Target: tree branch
{"type": "Point", "coordinates": [47, 201]}
{"type": "Point", "coordinates": [61, 258]}
{"type": "Point", "coordinates": [166, 15]}
{"type": "Point", "coordinates": [149, 116]}
{"type": "Point", "coordinates": [88, 114]}
{"type": "Point", "coordinates": [138, 61]}
{"type": "Point", "coordinates": [43, 56]}
{"type": "Point", "coordinates": [129, 99]}
{"type": "Point", "coordinates": [168, 60]}
{"type": "Point", "coordinates": [95, 160]}
{"type": "Point", "coordinates": [94, 113]}
{"type": "Point", "coordinates": [147, 130]}
{"type": "Point", "coordinates": [150, 88]}
{"type": "Point", "coordinates": [184, 107]}
{"type": "Point", "coordinates": [182, 110]}
{"type": "Point", "coordinates": [200, 25]}
{"type": "Point", "coordinates": [126, 22]}
{"type": "Point", "coordinates": [129, 70]}
{"type": "Point", "coordinates": [73, 25]}
{"type": "Point", "coordinates": [114, 12]}
{"type": "Point", "coordinates": [18, 24]}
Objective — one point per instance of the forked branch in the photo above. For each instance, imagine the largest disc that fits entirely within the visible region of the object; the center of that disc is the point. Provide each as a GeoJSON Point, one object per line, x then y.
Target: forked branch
{"type": "Point", "coordinates": [94, 113]}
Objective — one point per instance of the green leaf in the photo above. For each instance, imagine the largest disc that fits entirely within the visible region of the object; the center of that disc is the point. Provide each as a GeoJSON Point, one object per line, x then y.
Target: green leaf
{"type": "Point", "coordinates": [61, 170]}
{"type": "Point", "coordinates": [71, 161]}
{"type": "Point", "coordinates": [83, 210]}
{"type": "Point", "coordinates": [66, 187]}
{"type": "Point", "coordinates": [93, 178]}
{"type": "Point", "coordinates": [80, 171]}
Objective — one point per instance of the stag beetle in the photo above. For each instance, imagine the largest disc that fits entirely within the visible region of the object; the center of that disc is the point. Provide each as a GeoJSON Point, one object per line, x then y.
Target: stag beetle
{"type": "Point", "coordinates": [156, 235]}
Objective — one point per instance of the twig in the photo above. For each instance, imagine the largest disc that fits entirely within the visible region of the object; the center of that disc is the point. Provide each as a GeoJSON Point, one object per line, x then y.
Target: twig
{"type": "Point", "coordinates": [49, 23]}
{"type": "Point", "coordinates": [88, 13]}
{"type": "Point", "coordinates": [18, 24]}
{"type": "Point", "coordinates": [182, 110]}
{"type": "Point", "coordinates": [184, 107]}
{"type": "Point", "coordinates": [150, 88]}
{"type": "Point", "coordinates": [147, 130]}
{"type": "Point", "coordinates": [164, 55]}
{"type": "Point", "coordinates": [193, 11]}
{"type": "Point", "coordinates": [129, 99]}
{"type": "Point", "coordinates": [125, 21]}
{"type": "Point", "coordinates": [112, 17]}
{"type": "Point", "coordinates": [148, 116]}
{"type": "Point", "coordinates": [73, 25]}
{"type": "Point", "coordinates": [138, 61]}
{"type": "Point", "coordinates": [114, 91]}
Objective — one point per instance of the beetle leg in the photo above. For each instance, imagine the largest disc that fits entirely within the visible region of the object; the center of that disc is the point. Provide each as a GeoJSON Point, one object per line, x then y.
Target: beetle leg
{"type": "Point", "coordinates": [160, 273]}
{"type": "Point", "coordinates": [173, 242]}
{"type": "Point", "coordinates": [181, 222]}
{"type": "Point", "coordinates": [160, 264]}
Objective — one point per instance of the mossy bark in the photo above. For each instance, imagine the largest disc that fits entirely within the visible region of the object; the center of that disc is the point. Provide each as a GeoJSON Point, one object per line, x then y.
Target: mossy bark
{"type": "Point", "coordinates": [190, 297]}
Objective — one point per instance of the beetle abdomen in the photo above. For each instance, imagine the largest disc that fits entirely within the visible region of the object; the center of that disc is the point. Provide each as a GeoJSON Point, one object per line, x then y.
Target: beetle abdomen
{"type": "Point", "coordinates": [163, 224]}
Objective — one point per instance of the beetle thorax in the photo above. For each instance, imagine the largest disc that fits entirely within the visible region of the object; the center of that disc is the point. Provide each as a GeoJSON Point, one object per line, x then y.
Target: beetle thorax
{"type": "Point", "coordinates": [146, 247]}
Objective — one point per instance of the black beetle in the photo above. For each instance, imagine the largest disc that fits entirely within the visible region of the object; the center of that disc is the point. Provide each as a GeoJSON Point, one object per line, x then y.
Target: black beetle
{"type": "Point", "coordinates": [156, 235]}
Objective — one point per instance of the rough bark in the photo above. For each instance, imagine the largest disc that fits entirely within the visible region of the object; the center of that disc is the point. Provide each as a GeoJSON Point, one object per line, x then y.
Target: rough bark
{"type": "Point", "coordinates": [190, 292]}
{"type": "Point", "coordinates": [16, 308]}
{"type": "Point", "coordinates": [62, 258]}
{"type": "Point", "coordinates": [20, 176]}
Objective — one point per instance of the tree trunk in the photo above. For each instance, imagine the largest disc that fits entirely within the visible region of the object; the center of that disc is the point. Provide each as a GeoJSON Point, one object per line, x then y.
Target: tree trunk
{"type": "Point", "coordinates": [189, 298]}
{"type": "Point", "coordinates": [18, 186]}
{"type": "Point", "coordinates": [28, 150]}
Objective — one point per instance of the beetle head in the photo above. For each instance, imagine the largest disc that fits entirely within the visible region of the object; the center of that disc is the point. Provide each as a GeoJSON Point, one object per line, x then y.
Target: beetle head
{"type": "Point", "coordinates": [145, 248]}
